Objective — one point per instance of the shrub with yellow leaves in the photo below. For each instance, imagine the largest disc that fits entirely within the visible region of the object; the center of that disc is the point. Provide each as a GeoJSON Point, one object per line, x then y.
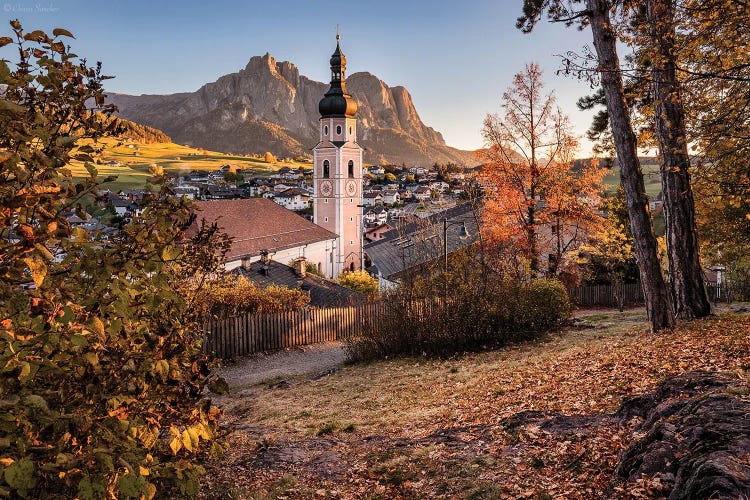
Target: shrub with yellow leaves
{"type": "Point", "coordinates": [100, 363]}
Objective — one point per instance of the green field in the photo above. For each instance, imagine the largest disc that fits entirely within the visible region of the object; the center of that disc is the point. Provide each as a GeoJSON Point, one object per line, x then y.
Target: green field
{"type": "Point", "coordinates": [133, 164]}
{"type": "Point", "coordinates": [650, 178]}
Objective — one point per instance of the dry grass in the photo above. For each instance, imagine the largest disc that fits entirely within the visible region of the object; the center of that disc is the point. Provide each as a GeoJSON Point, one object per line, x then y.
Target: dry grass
{"type": "Point", "coordinates": [415, 428]}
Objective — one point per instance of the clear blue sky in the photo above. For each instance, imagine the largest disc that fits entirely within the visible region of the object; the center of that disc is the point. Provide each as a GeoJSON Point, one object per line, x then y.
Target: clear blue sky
{"type": "Point", "coordinates": [455, 57]}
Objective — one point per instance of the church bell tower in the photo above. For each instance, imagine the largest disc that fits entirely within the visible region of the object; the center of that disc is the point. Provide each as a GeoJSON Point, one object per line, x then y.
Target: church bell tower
{"type": "Point", "coordinates": [338, 170]}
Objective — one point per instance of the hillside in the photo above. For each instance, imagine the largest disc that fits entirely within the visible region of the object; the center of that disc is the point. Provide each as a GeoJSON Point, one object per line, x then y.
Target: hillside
{"type": "Point", "coordinates": [649, 166]}
{"type": "Point", "coordinates": [535, 420]}
{"type": "Point", "coordinates": [128, 130]}
{"type": "Point", "coordinates": [269, 106]}
{"type": "Point", "coordinates": [130, 161]}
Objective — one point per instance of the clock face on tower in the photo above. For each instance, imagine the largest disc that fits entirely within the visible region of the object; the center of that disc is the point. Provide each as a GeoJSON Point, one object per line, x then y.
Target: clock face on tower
{"type": "Point", "coordinates": [326, 188]}
{"type": "Point", "coordinates": [351, 188]}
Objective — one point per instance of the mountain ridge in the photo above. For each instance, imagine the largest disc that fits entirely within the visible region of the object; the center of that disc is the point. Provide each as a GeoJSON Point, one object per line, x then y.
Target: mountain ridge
{"type": "Point", "coordinates": [270, 106]}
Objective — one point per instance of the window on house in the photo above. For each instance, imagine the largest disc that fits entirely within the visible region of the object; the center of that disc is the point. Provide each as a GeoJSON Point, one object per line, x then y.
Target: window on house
{"type": "Point", "coordinates": [351, 266]}
{"type": "Point", "coordinates": [338, 129]}
{"type": "Point", "coordinates": [325, 130]}
{"type": "Point", "coordinates": [351, 168]}
{"type": "Point", "coordinates": [326, 219]}
{"type": "Point", "coordinates": [350, 131]}
{"type": "Point", "coordinates": [326, 168]}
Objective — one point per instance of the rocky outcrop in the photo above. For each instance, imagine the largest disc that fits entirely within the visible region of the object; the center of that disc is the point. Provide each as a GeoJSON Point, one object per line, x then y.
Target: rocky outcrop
{"type": "Point", "coordinates": [695, 437]}
{"type": "Point", "coordinates": [688, 439]}
{"type": "Point", "coordinates": [269, 106]}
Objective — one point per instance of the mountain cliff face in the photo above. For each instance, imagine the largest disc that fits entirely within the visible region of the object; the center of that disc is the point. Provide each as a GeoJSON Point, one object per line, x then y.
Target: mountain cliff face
{"type": "Point", "coordinates": [269, 106]}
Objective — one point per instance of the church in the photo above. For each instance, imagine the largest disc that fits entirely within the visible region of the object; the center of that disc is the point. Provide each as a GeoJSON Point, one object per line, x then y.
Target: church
{"type": "Point", "coordinates": [338, 169]}
{"type": "Point", "coordinates": [332, 243]}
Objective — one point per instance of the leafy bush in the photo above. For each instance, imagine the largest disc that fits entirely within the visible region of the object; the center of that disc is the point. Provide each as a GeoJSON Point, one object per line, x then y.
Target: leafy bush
{"type": "Point", "coordinates": [101, 371]}
{"type": "Point", "coordinates": [545, 305]}
{"type": "Point", "coordinates": [473, 314]}
{"type": "Point", "coordinates": [231, 296]}
{"type": "Point", "coordinates": [361, 281]}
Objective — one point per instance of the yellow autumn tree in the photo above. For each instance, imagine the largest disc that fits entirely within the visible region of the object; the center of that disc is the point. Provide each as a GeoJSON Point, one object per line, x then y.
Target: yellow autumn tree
{"type": "Point", "coordinates": [610, 248]}
{"type": "Point", "coordinates": [360, 281]}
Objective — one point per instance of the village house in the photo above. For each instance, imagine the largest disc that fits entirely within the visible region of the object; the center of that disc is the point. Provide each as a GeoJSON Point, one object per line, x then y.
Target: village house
{"type": "Point", "coordinates": [257, 225]}
{"type": "Point", "coordinates": [439, 186]}
{"type": "Point", "coordinates": [293, 199]}
{"type": "Point", "coordinates": [197, 176]}
{"type": "Point", "coordinates": [391, 197]}
{"type": "Point", "coordinates": [423, 193]}
{"type": "Point", "coordinates": [222, 193]}
{"type": "Point", "coordinates": [371, 199]}
{"type": "Point", "coordinates": [188, 191]}
{"type": "Point", "coordinates": [376, 232]}
{"type": "Point", "coordinates": [130, 194]}
{"type": "Point", "coordinates": [376, 215]}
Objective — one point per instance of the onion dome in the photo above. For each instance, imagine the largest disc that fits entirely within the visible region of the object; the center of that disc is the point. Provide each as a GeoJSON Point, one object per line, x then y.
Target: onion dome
{"type": "Point", "coordinates": [337, 102]}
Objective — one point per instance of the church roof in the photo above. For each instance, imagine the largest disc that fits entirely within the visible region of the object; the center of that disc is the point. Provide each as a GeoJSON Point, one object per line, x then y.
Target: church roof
{"type": "Point", "coordinates": [256, 224]}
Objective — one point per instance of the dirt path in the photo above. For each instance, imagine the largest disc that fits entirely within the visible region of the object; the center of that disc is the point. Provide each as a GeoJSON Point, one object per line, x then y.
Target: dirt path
{"type": "Point", "coordinates": [305, 360]}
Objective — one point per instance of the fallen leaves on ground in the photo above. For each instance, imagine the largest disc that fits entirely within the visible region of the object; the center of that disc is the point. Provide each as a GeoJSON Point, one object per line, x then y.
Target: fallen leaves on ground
{"type": "Point", "coordinates": [415, 428]}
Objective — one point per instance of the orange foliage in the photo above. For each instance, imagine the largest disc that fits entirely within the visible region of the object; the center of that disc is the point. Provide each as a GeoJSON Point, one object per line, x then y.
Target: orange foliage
{"type": "Point", "coordinates": [538, 199]}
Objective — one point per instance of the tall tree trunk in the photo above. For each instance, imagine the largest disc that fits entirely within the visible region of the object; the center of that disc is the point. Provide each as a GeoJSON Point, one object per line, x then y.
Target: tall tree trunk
{"type": "Point", "coordinates": [532, 241]}
{"type": "Point", "coordinates": [655, 290]}
{"type": "Point", "coordinates": [685, 272]}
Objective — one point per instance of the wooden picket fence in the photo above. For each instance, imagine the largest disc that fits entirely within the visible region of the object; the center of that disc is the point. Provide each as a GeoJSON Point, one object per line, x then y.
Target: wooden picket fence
{"type": "Point", "coordinates": [604, 295]}
{"type": "Point", "coordinates": [252, 333]}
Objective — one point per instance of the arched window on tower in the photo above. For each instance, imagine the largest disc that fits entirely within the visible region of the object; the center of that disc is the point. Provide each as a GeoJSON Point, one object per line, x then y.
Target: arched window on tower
{"type": "Point", "coordinates": [351, 168]}
{"type": "Point", "coordinates": [326, 168]}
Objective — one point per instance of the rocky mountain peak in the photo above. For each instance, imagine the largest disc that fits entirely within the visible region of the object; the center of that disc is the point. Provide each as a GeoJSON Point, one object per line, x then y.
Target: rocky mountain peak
{"type": "Point", "coordinates": [269, 106]}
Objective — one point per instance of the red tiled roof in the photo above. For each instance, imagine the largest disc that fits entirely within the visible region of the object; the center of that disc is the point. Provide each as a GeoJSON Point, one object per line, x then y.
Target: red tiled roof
{"type": "Point", "coordinates": [291, 193]}
{"type": "Point", "coordinates": [257, 224]}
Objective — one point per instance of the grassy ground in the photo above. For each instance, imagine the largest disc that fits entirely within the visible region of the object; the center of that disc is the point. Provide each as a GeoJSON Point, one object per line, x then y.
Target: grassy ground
{"type": "Point", "coordinates": [415, 428]}
{"type": "Point", "coordinates": [132, 167]}
{"type": "Point", "coordinates": [650, 178]}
